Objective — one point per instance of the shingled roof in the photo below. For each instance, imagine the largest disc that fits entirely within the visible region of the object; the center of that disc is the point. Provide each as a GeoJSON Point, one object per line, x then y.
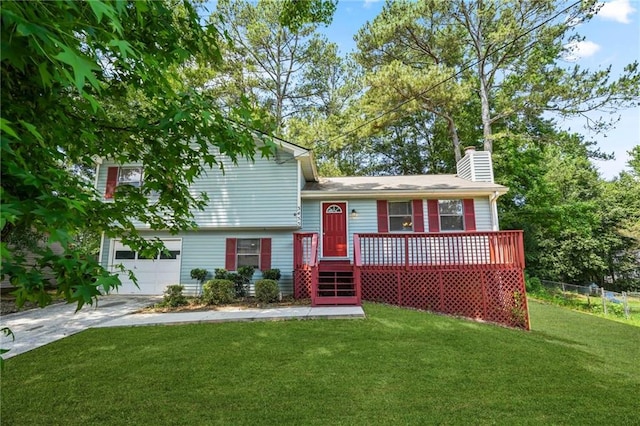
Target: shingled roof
{"type": "Point", "coordinates": [401, 186]}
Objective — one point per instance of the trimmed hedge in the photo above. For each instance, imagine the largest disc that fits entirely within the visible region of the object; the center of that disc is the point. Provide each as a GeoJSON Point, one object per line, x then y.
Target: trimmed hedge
{"type": "Point", "coordinates": [218, 292]}
{"type": "Point", "coordinates": [267, 291]}
{"type": "Point", "coordinates": [271, 274]}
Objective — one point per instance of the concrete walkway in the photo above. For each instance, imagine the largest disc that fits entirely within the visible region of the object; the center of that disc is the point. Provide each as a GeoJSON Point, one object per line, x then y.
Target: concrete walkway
{"type": "Point", "coordinates": [237, 314]}
{"type": "Point", "coordinates": [38, 327]}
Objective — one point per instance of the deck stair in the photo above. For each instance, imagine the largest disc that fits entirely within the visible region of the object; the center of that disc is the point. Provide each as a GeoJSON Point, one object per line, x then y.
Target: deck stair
{"type": "Point", "coordinates": [336, 283]}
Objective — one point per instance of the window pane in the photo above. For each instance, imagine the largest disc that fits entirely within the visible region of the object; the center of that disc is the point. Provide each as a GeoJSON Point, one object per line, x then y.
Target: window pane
{"type": "Point", "coordinates": [147, 257]}
{"type": "Point", "coordinates": [125, 254]}
{"type": "Point", "coordinates": [450, 207]}
{"type": "Point", "coordinates": [246, 246]}
{"type": "Point", "coordinates": [400, 223]}
{"type": "Point", "coordinates": [451, 223]}
{"type": "Point", "coordinates": [130, 175]}
{"type": "Point", "coordinates": [249, 260]}
{"type": "Point", "coordinates": [173, 254]}
{"type": "Point", "coordinates": [402, 208]}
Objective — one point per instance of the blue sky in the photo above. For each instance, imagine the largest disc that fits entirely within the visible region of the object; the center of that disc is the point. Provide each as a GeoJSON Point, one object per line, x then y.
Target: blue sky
{"type": "Point", "coordinates": [612, 38]}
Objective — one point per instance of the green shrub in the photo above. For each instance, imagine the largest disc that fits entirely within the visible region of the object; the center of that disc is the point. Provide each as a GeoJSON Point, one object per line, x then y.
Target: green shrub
{"type": "Point", "coordinates": [221, 274]}
{"type": "Point", "coordinates": [267, 291]}
{"type": "Point", "coordinates": [271, 274]}
{"type": "Point", "coordinates": [199, 274]}
{"type": "Point", "coordinates": [243, 279]}
{"type": "Point", "coordinates": [532, 284]}
{"type": "Point", "coordinates": [173, 296]}
{"type": "Point", "coordinates": [218, 292]}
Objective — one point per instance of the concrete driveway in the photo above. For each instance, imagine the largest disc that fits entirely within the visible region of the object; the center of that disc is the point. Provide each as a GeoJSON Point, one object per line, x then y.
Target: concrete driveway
{"type": "Point", "coordinates": [37, 327]}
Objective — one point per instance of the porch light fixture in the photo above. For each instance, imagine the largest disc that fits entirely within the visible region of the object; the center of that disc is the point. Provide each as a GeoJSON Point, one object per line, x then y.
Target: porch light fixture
{"type": "Point", "coordinates": [354, 213]}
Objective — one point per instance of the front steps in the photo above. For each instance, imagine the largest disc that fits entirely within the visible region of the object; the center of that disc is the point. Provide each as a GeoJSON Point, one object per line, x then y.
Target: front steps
{"type": "Point", "coordinates": [336, 284]}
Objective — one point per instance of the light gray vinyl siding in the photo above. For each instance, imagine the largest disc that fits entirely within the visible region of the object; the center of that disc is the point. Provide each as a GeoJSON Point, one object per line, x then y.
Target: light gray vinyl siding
{"type": "Point", "coordinates": [483, 214]}
{"type": "Point", "coordinates": [260, 194]}
{"type": "Point", "coordinates": [104, 251]}
{"type": "Point", "coordinates": [206, 249]}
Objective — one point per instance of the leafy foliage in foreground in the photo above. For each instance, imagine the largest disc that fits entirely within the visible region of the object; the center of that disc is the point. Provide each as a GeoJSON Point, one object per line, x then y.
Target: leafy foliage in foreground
{"type": "Point", "coordinates": [82, 81]}
{"type": "Point", "coordinates": [397, 366]}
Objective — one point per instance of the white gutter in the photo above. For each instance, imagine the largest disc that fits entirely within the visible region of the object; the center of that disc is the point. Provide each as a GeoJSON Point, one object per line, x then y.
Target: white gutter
{"type": "Point", "coordinates": [319, 194]}
{"type": "Point", "coordinates": [493, 205]}
{"type": "Point", "coordinates": [95, 181]}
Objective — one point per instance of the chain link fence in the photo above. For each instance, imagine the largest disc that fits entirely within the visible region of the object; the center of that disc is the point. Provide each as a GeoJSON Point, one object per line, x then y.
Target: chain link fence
{"type": "Point", "coordinates": [596, 299]}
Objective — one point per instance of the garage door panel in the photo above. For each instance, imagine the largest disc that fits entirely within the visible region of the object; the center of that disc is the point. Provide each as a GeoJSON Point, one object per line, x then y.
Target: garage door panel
{"type": "Point", "coordinates": [153, 275]}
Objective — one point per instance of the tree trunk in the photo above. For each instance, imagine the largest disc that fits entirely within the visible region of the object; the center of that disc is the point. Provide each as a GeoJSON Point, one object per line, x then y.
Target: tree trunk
{"type": "Point", "coordinates": [453, 132]}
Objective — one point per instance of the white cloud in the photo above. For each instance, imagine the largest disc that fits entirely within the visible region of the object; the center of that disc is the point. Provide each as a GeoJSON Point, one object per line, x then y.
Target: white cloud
{"type": "Point", "coordinates": [616, 10]}
{"type": "Point", "coordinates": [580, 49]}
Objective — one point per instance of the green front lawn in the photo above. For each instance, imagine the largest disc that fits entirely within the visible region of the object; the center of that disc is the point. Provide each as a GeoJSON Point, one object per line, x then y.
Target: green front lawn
{"type": "Point", "coordinates": [397, 366]}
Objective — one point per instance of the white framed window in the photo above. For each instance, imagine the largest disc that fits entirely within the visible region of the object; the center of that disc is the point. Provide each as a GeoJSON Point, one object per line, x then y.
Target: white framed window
{"type": "Point", "coordinates": [248, 252]}
{"type": "Point", "coordinates": [400, 216]}
{"type": "Point", "coordinates": [451, 215]}
{"type": "Point", "coordinates": [130, 176]}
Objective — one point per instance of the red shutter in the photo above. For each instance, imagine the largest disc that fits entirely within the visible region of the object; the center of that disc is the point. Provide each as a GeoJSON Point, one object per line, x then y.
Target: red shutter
{"type": "Point", "coordinates": [383, 216]}
{"type": "Point", "coordinates": [418, 216]}
{"type": "Point", "coordinates": [112, 182]}
{"type": "Point", "coordinates": [469, 215]}
{"type": "Point", "coordinates": [434, 215]}
{"type": "Point", "coordinates": [230, 255]}
{"type": "Point", "coordinates": [265, 254]}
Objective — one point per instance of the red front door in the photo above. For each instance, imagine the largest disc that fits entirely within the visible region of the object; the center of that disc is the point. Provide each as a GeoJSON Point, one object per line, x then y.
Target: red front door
{"type": "Point", "coordinates": [334, 229]}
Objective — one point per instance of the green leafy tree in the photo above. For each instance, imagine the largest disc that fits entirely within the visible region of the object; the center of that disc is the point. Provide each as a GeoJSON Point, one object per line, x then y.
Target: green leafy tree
{"type": "Point", "coordinates": [81, 81]}
{"type": "Point", "coordinates": [441, 55]}
{"type": "Point", "coordinates": [268, 60]}
{"type": "Point", "coordinates": [574, 222]}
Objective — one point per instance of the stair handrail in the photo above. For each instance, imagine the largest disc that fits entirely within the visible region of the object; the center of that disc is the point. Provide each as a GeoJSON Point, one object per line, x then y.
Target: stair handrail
{"type": "Point", "coordinates": [313, 256]}
{"type": "Point", "coordinates": [357, 254]}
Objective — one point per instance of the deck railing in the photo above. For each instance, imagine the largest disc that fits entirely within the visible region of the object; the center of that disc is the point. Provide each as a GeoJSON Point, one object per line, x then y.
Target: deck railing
{"type": "Point", "coordinates": [305, 264]}
{"type": "Point", "coordinates": [477, 250]}
{"type": "Point", "coordinates": [305, 250]}
{"type": "Point", "coordinates": [477, 275]}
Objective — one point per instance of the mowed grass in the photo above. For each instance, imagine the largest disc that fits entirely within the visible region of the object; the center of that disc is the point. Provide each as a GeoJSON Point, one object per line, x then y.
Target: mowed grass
{"type": "Point", "coordinates": [396, 367]}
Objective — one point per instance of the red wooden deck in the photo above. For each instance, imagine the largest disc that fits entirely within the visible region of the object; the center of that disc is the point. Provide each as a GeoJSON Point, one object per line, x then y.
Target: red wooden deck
{"type": "Point", "coordinates": [478, 275]}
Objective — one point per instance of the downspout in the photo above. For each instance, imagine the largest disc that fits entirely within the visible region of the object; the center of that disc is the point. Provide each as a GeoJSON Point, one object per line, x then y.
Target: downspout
{"type": "Point", "coordinates": [495, 226]}
{"type": "Point", "coordinates": [100, 252]}
{"type": "Point", "coordinates": [95, 181]}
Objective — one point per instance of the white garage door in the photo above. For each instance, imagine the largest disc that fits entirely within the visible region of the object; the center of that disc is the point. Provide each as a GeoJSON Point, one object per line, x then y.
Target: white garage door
{"type": "Point", "coordinates": [153, 275]}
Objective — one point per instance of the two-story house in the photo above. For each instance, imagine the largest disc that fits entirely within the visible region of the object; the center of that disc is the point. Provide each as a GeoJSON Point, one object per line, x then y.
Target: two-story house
{"type": "Point", "coordinates": [427, 241]}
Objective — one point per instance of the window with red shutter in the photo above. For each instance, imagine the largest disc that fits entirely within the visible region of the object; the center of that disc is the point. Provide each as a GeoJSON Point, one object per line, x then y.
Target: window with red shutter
{"type": "Point", "coordinates": [383, 218]}
{"type": "Point", "coordinates": [469, 215]}
{"type": "Point", "coordinates": [418, 216]}
{"type": "Point", "coordinates": [265, 254]}
{"type": "Point", "coordinates": [230, 254]}
{"type": "Point", "coordinates": [112, 182]}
